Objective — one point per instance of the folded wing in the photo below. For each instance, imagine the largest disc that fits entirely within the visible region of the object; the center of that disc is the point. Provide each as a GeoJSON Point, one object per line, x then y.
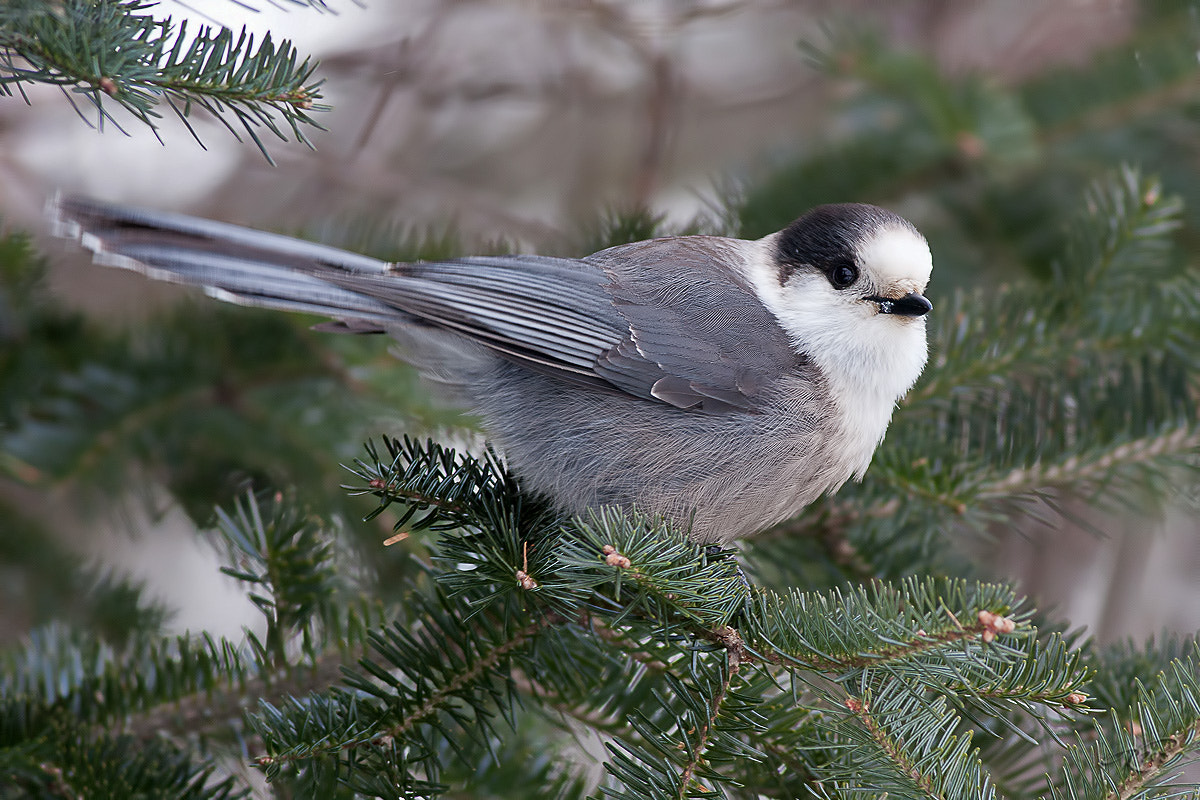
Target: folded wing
{"type": "Point", "coordinates": [664, 323]}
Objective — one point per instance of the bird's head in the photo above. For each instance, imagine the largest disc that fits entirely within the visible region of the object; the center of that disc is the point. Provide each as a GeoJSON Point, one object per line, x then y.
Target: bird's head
{"type": "Point", "coordinates": [856, 260]}
{"type": "Point", "coordinates": [847, 284]}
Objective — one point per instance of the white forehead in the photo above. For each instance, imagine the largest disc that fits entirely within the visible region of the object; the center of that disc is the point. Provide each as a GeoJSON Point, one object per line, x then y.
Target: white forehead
{"type": "Point", "coordinates": [896, 254]}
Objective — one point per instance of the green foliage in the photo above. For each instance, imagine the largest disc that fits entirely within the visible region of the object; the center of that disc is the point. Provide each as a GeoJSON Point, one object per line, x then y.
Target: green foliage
{"type": "Point", "coordinates": [110, 50]}
{"type": "Point", "coordinates": [152, 692]}
{"type": "Point", "coordinates": [68, 757]}
{"type": "Point", "coordinates": [1138, 750]}
{"type": "Point", "coordinates": [286, 560]}
{"type": "Point", "coordinates": [502, 649]}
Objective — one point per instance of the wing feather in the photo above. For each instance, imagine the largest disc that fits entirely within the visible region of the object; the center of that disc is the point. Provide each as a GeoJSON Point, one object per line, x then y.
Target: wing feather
{"type": "Point", "coordinates": [665, 320]}
{"type": "Point", "coordinates": [698, 336]}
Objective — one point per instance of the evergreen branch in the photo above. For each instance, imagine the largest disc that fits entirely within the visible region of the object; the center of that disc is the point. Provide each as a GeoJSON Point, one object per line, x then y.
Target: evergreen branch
{"type": "Point", "coordinates": [288, 556]}
{"type": "Point", "coordinates": [416, 694]}
{"type": "Point", "coordinates": [933, 651]}
{"type": "Point", "coordinates": [439, 488]}
{"type": "Point", "coordinates": [1125, 222]}
{"type": "Point", "coordinates": [891, 750]}
{"type": "Point", "coordinates": [72, 761]}
{"type": "Point", "coordinates": [178, 401]}
{"type": "Point", "coordinates": [495, 539]}
{"type": "Point", "coordinates": [203, 710]}
{"type": "Point", "coordinates": [104, 49]}
{"type": "Point", "coordinates": [597, 675]}
{"type": "Point", "coordinates": [1161, 727]}
{"type": "Point", "coordinates": [1048, 674]}
{"type": "Point", "coordinates": [621, 639]}
{"type": "Point", "coordinates": [697, 720]}
{"type": "Point", "coordinates": [463, 679]}
{"type": "Point", "coordinates": [1120, 666]}
{"type": "Point", "coordinates": [1094, 428]}
{"type": "Point", "coordinates": [790, 770]}
{"type": "Point", "coordinates": [1155, 761]}
{"type": "Point", "coordinates": [871, 626]}
{"type": "Point", "coordinates": [652, 569]}
{"type": "Point", "coordinates": [176, 685]}
{"type": "Point", "coordinates": [1076, 472]}
{"type": "Point", "coordinates": [1105, 278]}
{"type": "Point", "coordinates": [697, 748]}
{"type": "Point", "coordinates": [207, 680]}
{"type": "Point", "coordinates": [909, 745]}
{"type": "Point", "coordinates": [58, 668]}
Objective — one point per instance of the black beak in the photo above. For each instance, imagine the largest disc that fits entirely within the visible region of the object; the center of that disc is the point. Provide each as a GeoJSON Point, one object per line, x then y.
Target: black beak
{"type": "Point", "coordinates": [911, 305]}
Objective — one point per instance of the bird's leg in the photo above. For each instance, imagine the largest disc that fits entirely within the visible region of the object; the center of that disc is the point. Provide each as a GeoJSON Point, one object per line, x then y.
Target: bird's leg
{"type": "Point", "coordinates": [716, 552]}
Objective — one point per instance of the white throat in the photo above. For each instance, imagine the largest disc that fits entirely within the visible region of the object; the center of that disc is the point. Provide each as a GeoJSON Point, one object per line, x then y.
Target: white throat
{"type": "Point", "coordinates": [870, 360]}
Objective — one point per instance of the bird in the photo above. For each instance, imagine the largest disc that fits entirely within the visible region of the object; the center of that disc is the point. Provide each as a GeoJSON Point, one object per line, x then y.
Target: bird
{"type": "Point", "coordinates": [717, 383]}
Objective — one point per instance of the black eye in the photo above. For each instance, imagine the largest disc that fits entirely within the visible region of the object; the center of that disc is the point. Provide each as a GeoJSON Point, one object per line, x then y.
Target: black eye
{"type": "Point", "coordinates": [843, 276]}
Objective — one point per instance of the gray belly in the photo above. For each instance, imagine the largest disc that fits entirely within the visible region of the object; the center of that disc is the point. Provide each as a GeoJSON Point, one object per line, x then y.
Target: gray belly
{"type": "Point", "coordinates": [728, 475]}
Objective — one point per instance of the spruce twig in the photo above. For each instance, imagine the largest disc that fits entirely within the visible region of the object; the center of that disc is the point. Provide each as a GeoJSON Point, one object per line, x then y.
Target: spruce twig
{"type": "Point", "coordinates": [112, 52]}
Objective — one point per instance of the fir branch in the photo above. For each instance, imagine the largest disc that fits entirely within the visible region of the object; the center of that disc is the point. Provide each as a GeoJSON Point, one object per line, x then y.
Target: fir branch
{"type": "Point", "coordinates": [913, 753]}
{"type": "Point", "coordinates": [467, 677]}
{"type": "Point", "coordinates": [1076, 472]}
{"type": "Point", "coordinates": [211, 708]}
{"type": "Point", "coordinates": [596, 675]}
{"type": "Point", "coordinates": [174, 685]}
{"type": "Point", "coordinates": [108, 50]}
{"type": "Point", "coordinates": [665, 575]}
{"type": "Point", "coordinates": [72, 761]}
{"type": "Point", "coordinates": [891, 750]}
{"type": "Point", "coordinates": [640, 576]}
{"type": "Point", "coordinates": [439, 488]}
{"type": "Point", "coordinates": [206, 682]}
{"type": "Point", "coordinates": [407, 695]}
{"type": "Point", "coordinates": [1154, 761]}
{"type": "Point", "coordinates": [1049, 674]}
{"type": "Point", "coordinates": [435, 703]}
{"type": "Point", "coordinates": [287, 555]}
{"type": "Point", "coordinates": [60, 667]}
{"type": "Point", "coordinates": [1114, 246]}
{"type": "Point", "coordinates": [1160, 727]}
{"type": "Point", "coordinates": [696, 749]}
{"type": "Point", "coordinates": [697, 721]}
{"type": "Point", "coordinates": [626, 644]}
{"type": "Point", "coordinates": [871, 626]}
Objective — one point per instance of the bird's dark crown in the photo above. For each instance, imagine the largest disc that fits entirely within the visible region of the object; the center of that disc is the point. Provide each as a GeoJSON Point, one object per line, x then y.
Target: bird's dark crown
{"type": "Point", "coordinates": [828, 236]}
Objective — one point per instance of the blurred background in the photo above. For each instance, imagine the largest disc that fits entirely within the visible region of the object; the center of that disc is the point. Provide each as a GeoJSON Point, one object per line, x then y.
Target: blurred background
{"type": "Point", "coordinates": [518, 124]}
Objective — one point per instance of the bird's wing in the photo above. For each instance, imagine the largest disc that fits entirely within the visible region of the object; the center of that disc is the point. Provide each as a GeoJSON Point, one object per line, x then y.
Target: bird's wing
{"type": "Point", "coordinates": [697, 337]}
{"type": "Point", "coordinates": [664, 321]}
{"type": "Point", "coordinates": [661, 322]}
{"type": "Point", "coordinates": [551, 314]}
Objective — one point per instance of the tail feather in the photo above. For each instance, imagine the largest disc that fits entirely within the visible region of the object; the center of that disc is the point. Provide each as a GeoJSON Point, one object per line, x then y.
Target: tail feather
{"type": "Point", "coordinates": [229, 262]}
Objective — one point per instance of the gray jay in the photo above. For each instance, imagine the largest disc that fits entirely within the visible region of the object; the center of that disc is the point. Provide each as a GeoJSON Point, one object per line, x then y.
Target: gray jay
{"type": "Point", "coordinates": [721, 383]}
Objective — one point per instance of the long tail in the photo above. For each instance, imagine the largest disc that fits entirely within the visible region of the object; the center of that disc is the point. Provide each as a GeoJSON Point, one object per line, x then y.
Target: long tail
{"type": "Point", "coordinates": [229, 262]}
